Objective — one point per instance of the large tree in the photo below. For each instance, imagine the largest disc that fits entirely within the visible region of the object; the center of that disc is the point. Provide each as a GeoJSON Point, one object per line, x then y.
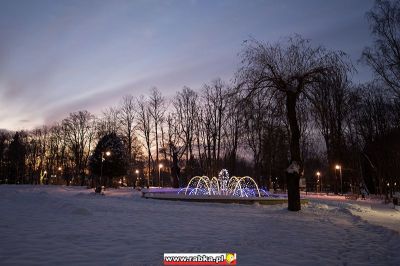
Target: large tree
{"type": "Point", "coordinates": [16, 156]}
{"type": "Point", "coordinates": [144, 129]}
{"type": "Point", "coordinates": [289, 69]}
{"type": "Point", "coordinates": [109, 122]}
{"type": "Point", "coordinates": [156, 107]}
{"type": "Point", "coordinates": [186, 108]}
{"type": "Point", "coordinates": [384, 56]}
{"type": "Point", "coordinates": [332, 101]}
{"type": "Point", "coordinates": [79, 134]}
{"type": "Point", "coordinates": [376, 127]}
{"type": "Point", "coordinates": [215, 100]}
{"type": "Point", "coordinates": [232, 128]}
{"type": "Point", "coordinates": [127, 121]}
{"type": "Point", "coordinates": [109, 159]}
{"type": "Point", "coordinates": [5, 137]}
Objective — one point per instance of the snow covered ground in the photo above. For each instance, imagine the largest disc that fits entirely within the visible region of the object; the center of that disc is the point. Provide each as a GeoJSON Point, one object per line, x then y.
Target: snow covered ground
{"type": "Point", "coordinates": [373, 210]}
{"type": "Point", "coordinates": [57, 225]}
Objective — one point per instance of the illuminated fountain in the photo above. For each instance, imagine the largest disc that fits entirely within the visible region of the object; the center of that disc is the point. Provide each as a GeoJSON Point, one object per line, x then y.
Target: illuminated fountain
{"type": "Point", "coordinates": [224, 189]}
{"type": "Point", "coordinates": [223, 186]}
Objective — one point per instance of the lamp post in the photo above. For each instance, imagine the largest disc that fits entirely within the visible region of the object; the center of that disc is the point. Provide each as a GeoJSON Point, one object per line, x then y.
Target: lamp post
{"type": "Point", "coordinates": [138, 179]}
{"type": "Point", "coordinates": [320, 184]}
{"type": "Point", "coordinates": [107, 153]}
{"type": "Point", "coordinates": [339, 167]}
{"type": "Point", "coordinates": [159, 174]}
{"type": "Point", "coordinates": [59, 169]}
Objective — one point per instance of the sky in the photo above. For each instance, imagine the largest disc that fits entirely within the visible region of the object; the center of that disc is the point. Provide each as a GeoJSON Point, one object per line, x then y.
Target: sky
{"type": "Point", "coordinates": [58, 57]}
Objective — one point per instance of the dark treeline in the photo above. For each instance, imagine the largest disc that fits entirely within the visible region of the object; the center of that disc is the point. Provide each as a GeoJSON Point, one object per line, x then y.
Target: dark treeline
{"type": "Point", "coordinates": [291, 111]}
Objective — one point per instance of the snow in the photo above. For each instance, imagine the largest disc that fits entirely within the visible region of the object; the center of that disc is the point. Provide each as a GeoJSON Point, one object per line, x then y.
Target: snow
{"type": "Point", "coordinates": [58, 225]}
{"type": "Point", "coordinates": [294, 167]}
{"type": "Point", "coordinates": [371, 210]}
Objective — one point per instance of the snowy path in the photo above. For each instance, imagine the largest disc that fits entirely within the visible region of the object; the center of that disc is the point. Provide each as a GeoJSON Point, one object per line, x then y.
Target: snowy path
{"type": "Point", "coordinates": [371, 210]}
{"type": "Point", "coordinates": [52, 225]}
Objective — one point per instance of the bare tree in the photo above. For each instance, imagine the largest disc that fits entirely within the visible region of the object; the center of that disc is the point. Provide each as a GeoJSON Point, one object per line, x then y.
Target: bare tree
{"type": "Point", "coordinates": [256, 113]}
{"type": "Point", "coordinates": [144, 128]}
{"type": "Point", "coordinates": [232, 128]}
{"type": "Point", "coordinates": [375, 133]}
{"type": "Point", "coordinates": [79, 130]}
{"type": "Point", "coordinates": [37, 154]}
{"type": "Point", "coordinates": [109, 122]}
{"type": "Point", "coordinates": [156, 110]}
{"type": "Point", "coordinates": [263, 130]}
{"type": "Point", "coordinates": [289, 70]}
{"type": "Point", "coordinates": [127, 126]}
{"type": "Point", "coordinates": [186, 108]}
{"type": "Point", "coordinates": [176, 147]}
{"type": "Point", "coordinates": [56, 149]}
{"type": "Point", "coordinates": [384, 56]}
{"type": "Point", "coordinates": [332, 104]}
{"type": "Point", "coordinates": [215, 102]}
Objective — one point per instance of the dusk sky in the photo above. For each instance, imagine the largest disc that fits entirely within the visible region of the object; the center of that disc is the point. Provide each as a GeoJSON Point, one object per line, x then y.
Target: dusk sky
{"type": "Point", "coordinates": [58, 57]}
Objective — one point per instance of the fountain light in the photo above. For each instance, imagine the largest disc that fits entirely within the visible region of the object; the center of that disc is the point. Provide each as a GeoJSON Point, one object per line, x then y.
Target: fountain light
{"type": "Point", "coordinates": [223, 186]}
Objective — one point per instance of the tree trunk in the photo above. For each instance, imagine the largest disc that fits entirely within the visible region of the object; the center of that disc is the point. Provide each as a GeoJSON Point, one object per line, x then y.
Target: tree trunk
{"type": "Point", "coordinates": [175, 178]}
{"type": "Point", "coordinates": [294, 170]}
{"type": "Point", "coordinates": [157, 160]}
{"type": "Point", "coordinates": [149, 173]}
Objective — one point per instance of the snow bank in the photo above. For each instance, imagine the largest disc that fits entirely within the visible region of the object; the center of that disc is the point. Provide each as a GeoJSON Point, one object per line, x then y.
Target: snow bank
{"type": "Point", "coordinates": [55, 225]}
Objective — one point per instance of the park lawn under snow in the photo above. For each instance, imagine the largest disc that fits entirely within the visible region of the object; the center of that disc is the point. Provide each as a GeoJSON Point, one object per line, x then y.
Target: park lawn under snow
{"type": "Point", "coordinates": [58, 225]}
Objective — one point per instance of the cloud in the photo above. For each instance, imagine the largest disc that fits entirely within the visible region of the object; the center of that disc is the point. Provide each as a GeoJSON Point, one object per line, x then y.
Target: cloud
{"type": "Point", "coordinates": [59, 57]}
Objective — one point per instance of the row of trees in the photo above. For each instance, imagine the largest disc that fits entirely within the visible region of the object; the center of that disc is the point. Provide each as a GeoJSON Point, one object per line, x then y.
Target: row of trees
{"type": "Point", "coordinates": [290, 111]}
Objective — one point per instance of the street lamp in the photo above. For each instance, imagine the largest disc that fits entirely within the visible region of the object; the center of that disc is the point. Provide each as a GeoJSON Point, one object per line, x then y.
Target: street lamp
{"type": "Point", "coordinates": [159, 170]}
{"type": "Point", "coordinates": [320, 184]}
{"type": "Point", "coordinates": [43, 177]}
{"type": "Point", "coordinates": [339, 167]}
{"type": "Point", "coordinates": [107, 153]}
{"type": "Point", "coordinates": [137, 180]}
{"type": "Point", "coordinates": [59, 175]}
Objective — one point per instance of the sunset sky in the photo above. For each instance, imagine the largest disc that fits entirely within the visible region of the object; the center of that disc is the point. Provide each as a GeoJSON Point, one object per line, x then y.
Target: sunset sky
{"type": "Point", "coordinates": [58, 57]}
